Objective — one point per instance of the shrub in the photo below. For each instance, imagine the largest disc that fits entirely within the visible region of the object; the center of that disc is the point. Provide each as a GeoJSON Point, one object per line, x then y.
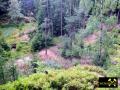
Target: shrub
{"type": "Point", "coordinates": [47, 65]}
{"type": "Point", "coordinates": [102, 60]}
{"type": "Point", "coordinates": [77, 48]}
{"type": "Point", "coordinates": [20, 26]}
{"type": "Point", "coordinates": [112, 20]}
{"type": "Point", "coordinates": [76, 78]}
{"type": "Point", "coordinates": [23, 46]}
{"type": "Point", "coordinates": [92, 25]}
{"type": "Point", "coordinates": [38, 42]}
{"type": "Point", "coordinates": [114, 71]}
{"type": "Point", "coordinates": [52, 64]}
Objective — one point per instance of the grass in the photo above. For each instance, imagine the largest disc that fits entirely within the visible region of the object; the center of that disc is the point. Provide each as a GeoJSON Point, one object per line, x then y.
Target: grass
{"type": "Point", "coordinates": [29, 26]}
{"type": "Point", "coordinates": [22, 50]}
{"type": "Point", "coordinates": [7, 30]}
{"type": "Point", "coordinates": [56, 40]}
{"type": "Point", "coordinates": [11, 34]}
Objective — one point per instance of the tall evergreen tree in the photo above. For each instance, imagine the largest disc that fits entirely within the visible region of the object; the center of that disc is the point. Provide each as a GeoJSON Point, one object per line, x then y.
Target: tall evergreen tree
{"type": "Point", "coordinates": [45, 24]}
{"type": "Point", "coordinates": [3, 7]}
{"type": "Point", "coordinates": [27, 7]}
{"type": "Point", "coordinates": [46, 28]}
{"type": "Point", "coordinates": [4, 48]}
{"type": "Point", "coordinates": [15, 10]}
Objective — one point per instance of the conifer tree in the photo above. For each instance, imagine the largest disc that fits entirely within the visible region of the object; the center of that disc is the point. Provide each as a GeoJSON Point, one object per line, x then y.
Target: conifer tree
{"type": "Point", "coordinates": [3, 57]}
{"type": "Point", "coordinates": [46, 29]}
{"type": "Point", "coordinates": [3, 7]}
{"type": "Point", "coordinates": [15, 10]}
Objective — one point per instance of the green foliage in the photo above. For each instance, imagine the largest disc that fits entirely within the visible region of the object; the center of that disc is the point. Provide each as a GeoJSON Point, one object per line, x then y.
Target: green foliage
{"type": "Point", "coordinates": [54, 10]}
{"type": "Point", "coordinates": [10, 30]}
{"type": "Point", "coordinates": [79, 19]}
{"type": "Point", "coordinates": [38, 42]}
{"type": "Point", "coordinates": [67, 53]}
{"type": "Point", "coordinates": [52, 64]}
{"type": "Point", "coordinates": [73, 78]}
{"type": "Point", "coordinates": [114, 71]}
{"type": "Point", "coordinates": [109, 6]}
{"type": "Point", "coordinates": [4, 49]}
{"type": "Point", "coordinates": [42, 38]}
{"type": "Point", "coordinates": [47, 65]}
{"type": "Point", "coordinates": [112, 20]}
{"type": "Point", "coordinates": [21, 50]}
{"type": "Point", "coordinates": [102, 60]}
{"type": "Point", "coordinates": [23, 47]}
{"type": "Point", "coordinates": [10, 72]}
{"type": "Point", "coordinates": [20, 26]}
{"type": "Point", "coordinates": [7, 30]}
{"type": "Point", "coordinates": [102, 57]}
{"type": "Point", "coordinates": [85, 6]}
{"type": "Point", "coordinates": [91, 26]}
{"type": "Point", "coordinates": [15, 10]}
{"type": "Point", "coordinates": [94, 69]}
{"type": "Point", "coordinates": [78, 48]}
{"type": "Point", "coordinates": [3, 7]}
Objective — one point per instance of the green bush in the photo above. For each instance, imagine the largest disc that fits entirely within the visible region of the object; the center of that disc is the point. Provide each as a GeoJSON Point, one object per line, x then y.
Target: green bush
{"type": "Point", "coordinates": [91, 26]}
{"type": "Point", "coordinates": [76, 78]}
{"type": "Point", "coordinates": [112, 20]}
{"type": "Point", "coordinates": [20, 26]}
{"type": "Point", "coordinates": [23, 47]}
{"type": "Point", "coordinates": [114, 70]}
{"type": "Point", "coordinates": [102, 60]}
{"type": "Point", "coordinates": [49, 64]}
{"type": "Point", "coordinates": [77, 48]}
{"type": "Point", "coordinates": [38, 42]}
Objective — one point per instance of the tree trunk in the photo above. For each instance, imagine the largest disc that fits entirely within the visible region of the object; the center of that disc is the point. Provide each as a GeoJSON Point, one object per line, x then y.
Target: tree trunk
{"type": "Point", "coordinates": [118, 16]}
{"type": "Point", "coordinates": [100, 48]}
{"type": "Point", "coordinates": [61, 18]}
{"type": "Point", "coordinates": [2, 72]}
{"type": "Point", "coordinates": [46, 41]}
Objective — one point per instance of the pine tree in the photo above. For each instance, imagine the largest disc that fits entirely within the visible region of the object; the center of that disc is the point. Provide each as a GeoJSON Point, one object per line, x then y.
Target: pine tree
{"type": "Point", "coordinates": [3, 7]}
{"type": "Point", "coordinates": [46, 28]}
{"type": "Point", "coordinates": [61, 17]}
{"type": "Point", "coordinates": [42, 38]}
{"type": "Point", "coordinates": [27, 7]}
{"type": "Point", "coordinates": [15, 10]}
{"type": "Point", "coordinates": [3, 57]}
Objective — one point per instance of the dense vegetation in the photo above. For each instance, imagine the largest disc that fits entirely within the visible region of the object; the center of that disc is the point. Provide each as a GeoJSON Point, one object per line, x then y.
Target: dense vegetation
{"type": "Point", "coordinates": [55, 39]}
{"type": "Point", "coordinates": [76, 78]}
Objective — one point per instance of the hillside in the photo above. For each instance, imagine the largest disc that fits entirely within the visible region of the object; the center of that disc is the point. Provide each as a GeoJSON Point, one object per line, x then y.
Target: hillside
{"type": "Point", "coordinates": [59, 44]}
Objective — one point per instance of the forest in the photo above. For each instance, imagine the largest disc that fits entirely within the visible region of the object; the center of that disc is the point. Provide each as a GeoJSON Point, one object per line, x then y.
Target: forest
{"type": "Point", "coordinates": [59, 44]}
